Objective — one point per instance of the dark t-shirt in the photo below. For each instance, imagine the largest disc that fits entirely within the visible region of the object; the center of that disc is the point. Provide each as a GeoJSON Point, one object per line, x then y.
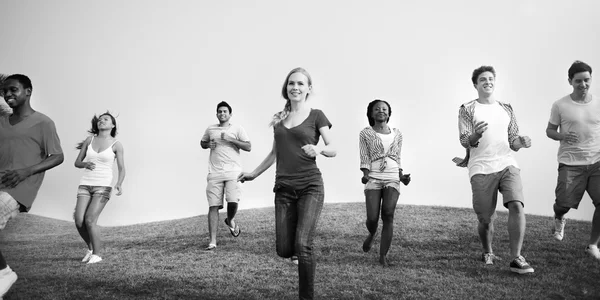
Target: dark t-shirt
{"type": "Point", "coordinates": [23, 145]}
{"type": "Point", "coordinates": [295, 169]}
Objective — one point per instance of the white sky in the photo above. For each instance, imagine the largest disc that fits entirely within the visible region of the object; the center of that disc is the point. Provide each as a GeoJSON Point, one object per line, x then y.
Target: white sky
{"type": "Point", "coordinates": [162, 66]}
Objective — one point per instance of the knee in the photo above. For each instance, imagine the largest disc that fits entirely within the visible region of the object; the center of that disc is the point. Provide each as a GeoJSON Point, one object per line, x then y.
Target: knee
{"type": "Point", "coordinates": [89, 221]}
{"type": "Point", "coordinates": [78, 221]}
{"type": "Point", "coordinates": [515, 207]}
{"type": "Point", "coordinates": [387, 215]}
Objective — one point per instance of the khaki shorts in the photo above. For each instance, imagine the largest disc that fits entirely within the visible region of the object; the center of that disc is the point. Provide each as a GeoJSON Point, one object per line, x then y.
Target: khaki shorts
{"type": "Point", "coordinates": [485, 191]}
{"type": "Point", "coordinates": [573, 181]}
{"type": "Point", "coordinates": [9, 208]}
{"type": "Point", "coordinates": [216, 189]}
{"type": "Point", "coordinates": [378, 184]}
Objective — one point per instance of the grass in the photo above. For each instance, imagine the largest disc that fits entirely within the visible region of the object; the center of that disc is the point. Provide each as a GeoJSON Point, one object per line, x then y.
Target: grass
{"type": "Point", "coordinates": [435, 250]}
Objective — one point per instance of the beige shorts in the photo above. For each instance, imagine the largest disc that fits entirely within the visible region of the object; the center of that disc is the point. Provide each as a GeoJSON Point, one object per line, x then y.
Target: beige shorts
{"type": "Point", "coordinates": [216, 189]}
{"type": "Point", "coordinates": [9, 208]}
{"type": "Point", "coordinates": [486, 187]}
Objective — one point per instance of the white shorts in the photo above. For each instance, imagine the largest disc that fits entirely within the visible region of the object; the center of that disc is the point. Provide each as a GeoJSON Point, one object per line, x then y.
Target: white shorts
{"type": "Point", "coordinates": [9, 208]}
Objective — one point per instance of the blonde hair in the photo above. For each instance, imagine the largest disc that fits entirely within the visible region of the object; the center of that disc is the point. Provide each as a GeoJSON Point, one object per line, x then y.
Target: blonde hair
{"type": "Point", "coordinates": [282, 115]}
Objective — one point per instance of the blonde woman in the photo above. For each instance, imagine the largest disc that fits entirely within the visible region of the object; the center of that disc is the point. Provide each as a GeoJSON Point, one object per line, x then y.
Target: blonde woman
{"type": "Point", "coordinates": [299, 191]}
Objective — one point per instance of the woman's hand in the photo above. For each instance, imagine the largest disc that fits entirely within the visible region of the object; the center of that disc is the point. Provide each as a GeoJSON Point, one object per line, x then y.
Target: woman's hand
{"type": "Point", "coordinates": [405, 179]}
{"type": "Point", "coordinates": [311, 150]}
{"type": "Point", "coordinates": [119, 190]}
{"type": "Point", "coordinates": [365, 179]}
{"type": "Point", "coordinates": [89, 165]}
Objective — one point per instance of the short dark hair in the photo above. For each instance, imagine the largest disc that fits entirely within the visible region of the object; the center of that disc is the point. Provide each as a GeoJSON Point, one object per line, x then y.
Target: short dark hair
{"type": "Point", "coordinates": [22, 79]}
{"type": "Point", "coordinates": [223, 103]}
{"type": "Point", "coordinates": [480, 70]}
{"type": "Point", "coordinates": [578, 67]}
{"type": "Point", "coordinates": [370, 111]}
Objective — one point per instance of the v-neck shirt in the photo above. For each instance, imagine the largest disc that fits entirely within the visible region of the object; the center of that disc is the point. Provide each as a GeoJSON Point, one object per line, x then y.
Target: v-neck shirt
{"type": "Point", "coordinates": [102, 174]}
{"type": "Point", "coordinates": [23, 145]}
{"type": "Point", "coordinates": [295, 169]}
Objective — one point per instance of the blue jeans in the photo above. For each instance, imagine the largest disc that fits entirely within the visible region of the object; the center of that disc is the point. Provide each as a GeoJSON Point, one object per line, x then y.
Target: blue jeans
{"type": "Point", "coordinates": [296, 215]}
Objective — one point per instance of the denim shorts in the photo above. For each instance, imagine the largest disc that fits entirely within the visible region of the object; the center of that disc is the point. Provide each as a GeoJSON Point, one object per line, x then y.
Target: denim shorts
{"type": "Point", "coordinates": [94, 191]}
{"type": "Point", "coordinates": [379, 184]}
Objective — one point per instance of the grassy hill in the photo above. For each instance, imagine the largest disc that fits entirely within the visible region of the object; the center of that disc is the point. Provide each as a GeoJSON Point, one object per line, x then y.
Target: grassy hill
{"type": "Point", "coordinates": [435, 250]}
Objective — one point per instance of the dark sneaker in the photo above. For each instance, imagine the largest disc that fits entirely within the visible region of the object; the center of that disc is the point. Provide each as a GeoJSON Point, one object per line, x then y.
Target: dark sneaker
{"type": "Point", "coordinates": [488, 258]}
{"type": "Point", "coordinates": [520, 266]}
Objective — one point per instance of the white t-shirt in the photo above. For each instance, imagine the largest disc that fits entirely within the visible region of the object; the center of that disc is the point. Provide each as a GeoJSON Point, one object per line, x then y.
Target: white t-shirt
{"type": "Point", "coordinates": [493, 154]}
{"type": "Point", "coordinates": [224, 161]}
{"type": "Point", "coordinates": [584, 119]}
{"type": "Point", "coordinates": [391, 171]}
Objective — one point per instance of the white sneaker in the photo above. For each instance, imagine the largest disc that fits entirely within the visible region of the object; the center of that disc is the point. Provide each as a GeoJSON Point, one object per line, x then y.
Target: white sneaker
{"type": "Point", "coordinates": [559, 228]}
{"type": "Point", "coordinates": [94, 259]}
{"type": "Point", "coordinates": [88, 255]}
{"type": "Point", "coordinates": [593, 251]}
{"type": "Point", "coordinates": [7, 278]}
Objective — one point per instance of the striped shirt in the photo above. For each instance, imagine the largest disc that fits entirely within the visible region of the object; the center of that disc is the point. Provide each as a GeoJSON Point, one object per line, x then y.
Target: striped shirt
{"type": "Point", "coordinates": [371, 148]}
{"type": "Point", "coordinates": [466, 123]}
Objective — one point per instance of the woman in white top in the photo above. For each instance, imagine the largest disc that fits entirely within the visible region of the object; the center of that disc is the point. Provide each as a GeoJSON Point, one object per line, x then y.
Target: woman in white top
{"type": "Point", "coordinates": [97, 155]}
{"type": "Point", "coordinates": [380, 148]}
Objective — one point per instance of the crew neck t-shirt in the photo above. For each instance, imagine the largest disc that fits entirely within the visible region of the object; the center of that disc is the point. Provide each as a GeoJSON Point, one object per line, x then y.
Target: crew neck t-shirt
{"type": "Point", "coordinates": [583, 119]}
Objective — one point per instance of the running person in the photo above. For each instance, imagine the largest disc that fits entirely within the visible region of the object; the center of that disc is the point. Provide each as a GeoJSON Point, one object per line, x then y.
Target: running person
{"type": "Point", "coordinates": [97, 155]}
{"type": "Point", "coordinates": [380, 147]}
{"type": "Point", "coordinates": [299, 191]}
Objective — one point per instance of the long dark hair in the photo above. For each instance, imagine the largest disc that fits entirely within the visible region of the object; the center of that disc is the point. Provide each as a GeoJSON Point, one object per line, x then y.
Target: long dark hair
{"type": "Point", "coordinates": [94, 130]}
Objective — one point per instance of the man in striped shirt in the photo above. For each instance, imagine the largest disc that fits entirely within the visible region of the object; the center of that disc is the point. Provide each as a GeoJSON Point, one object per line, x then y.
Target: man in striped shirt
{"type": "Point", "coordinates": [488, 130]}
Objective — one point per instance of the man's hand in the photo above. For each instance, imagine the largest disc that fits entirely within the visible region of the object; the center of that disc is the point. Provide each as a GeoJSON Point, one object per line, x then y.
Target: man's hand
{"type": "Point", "coordinates": [212, 144]}
{"type": "Point", "coordinates": [571, 138]}
{"type": "Point", "coordinates": [525, 141]}
{"type": "Point", "coordinates": [405, 179]}
{"type": "Point", "coordinates": [12, 178]}
{"type": "Point", "coordinates": [245, 177]}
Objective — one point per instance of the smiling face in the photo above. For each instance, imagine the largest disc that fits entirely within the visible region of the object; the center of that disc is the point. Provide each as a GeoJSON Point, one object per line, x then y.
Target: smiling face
{"type": "Point", "coordinates": [105, 123]}
{"type": "Point", "coordinates": [581, 83]}
{"type": "Point", "coordinates": [485, 83]}
{"type": "Point", "coordinates": [380, 112]}
{"type": "Point", "coordinates": [14, 93]}
{"type": "Point", "coordinates": [223, 114]}
{"type": "Point", "coordinates": [298, 87]}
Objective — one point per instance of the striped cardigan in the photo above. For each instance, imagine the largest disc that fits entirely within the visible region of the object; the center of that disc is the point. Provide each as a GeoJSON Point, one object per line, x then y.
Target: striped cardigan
{"type": "Point", "coordinates": [371, 148]}
{"type": "Point", "coordinates": [466, 123]}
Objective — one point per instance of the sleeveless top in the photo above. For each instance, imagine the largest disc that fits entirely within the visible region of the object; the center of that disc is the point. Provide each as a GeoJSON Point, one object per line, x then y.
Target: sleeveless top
{"type": "Point", "coordinates": [102, 174]}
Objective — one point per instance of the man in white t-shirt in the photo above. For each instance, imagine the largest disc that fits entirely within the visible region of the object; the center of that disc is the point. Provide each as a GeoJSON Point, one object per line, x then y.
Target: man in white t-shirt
{"type": "Point", "coordinates": [578, 117]}
{"type": "Point", "coordinates": [489, 131]}
{"type": "Point", "coordinates": [224, 141]}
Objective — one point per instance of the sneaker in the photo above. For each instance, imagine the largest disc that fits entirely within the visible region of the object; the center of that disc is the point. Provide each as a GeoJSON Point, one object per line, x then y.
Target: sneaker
{"type": "Point", "coordinates": [593, 251]}
{"type": "Point", "coordinates": [87, 256]}
{"type": "Point", "coordinates": [559, 228]}
{"type": "Point", "coordinates": [7, 278]}
{"type": "Point", "coordinates": [488, 258]}
{"type": "Point", "coordinates": [520, 266]}
{"type": "Point", "coordinates": [94, 259]}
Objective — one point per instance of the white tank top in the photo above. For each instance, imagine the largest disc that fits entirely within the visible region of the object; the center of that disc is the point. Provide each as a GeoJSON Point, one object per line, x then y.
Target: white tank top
{"type": "Point", "coordinates": [102, 174]}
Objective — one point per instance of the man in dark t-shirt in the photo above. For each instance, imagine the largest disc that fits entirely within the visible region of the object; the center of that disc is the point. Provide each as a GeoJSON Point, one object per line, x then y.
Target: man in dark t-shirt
{"type": "Point", "coordinates": [29, 147]}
